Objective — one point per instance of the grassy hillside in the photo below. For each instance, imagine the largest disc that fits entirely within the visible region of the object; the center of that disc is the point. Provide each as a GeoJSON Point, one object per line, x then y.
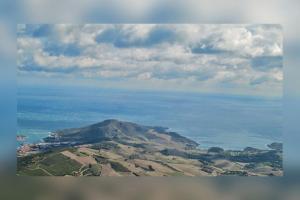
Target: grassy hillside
{"type": "Point", "coordinates": [53, 163]}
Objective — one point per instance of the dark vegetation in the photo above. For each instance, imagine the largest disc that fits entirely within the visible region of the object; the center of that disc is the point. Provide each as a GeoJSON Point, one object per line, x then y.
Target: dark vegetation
{"type": "Point", "coordinates": [118, 167]}
{"type": "Point", "coordinates": [215, 150]}
{"type": "Point", "coordinates": [106, 146]}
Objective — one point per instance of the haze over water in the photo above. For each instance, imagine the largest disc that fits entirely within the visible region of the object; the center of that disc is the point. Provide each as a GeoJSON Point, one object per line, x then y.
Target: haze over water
{"type": "Point", "coordinates": [231, 122]}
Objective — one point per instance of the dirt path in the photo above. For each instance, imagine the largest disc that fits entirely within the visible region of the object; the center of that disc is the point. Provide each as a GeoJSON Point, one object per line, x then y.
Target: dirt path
{"type": "Point", "coordinates": [38, 167]}
{"type": "Point", "coordinates": [82, 160]}
{"type": "Point", "coordinates": [45, 171]}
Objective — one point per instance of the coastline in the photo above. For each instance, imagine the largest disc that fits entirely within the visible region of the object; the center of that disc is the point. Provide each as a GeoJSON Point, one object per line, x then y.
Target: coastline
{"type": "Point", "coordinates": [203, 144]}
{"type": "Point", "coordinates": [118, 148]}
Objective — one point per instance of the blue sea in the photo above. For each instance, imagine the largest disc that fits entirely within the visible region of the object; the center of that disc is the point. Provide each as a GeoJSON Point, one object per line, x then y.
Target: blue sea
{"type": "Point", "coordinates": [228, 121]}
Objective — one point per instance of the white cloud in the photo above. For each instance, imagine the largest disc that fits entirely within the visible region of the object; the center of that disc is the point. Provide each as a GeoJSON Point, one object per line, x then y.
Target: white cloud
{"type": "Point", "coordinates": [212, 56]}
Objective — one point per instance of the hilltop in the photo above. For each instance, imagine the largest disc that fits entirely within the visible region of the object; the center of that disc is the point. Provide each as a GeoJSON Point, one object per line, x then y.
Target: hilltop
{"type": "Point", "coordinates": [120, 131]}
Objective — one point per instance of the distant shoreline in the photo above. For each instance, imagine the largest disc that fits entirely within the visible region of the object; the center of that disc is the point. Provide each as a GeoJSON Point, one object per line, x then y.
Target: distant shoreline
{"type": "Point", "coordinates": [200, 146]}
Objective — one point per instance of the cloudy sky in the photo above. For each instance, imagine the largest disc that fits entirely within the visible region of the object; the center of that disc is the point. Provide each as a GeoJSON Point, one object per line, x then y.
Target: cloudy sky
{"type": "Point", "coordinates": [230, 59]}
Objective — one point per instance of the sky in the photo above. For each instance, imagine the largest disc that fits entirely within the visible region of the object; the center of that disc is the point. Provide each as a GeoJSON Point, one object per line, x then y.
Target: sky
{"type": "Point", "coordinates": [211, 58]}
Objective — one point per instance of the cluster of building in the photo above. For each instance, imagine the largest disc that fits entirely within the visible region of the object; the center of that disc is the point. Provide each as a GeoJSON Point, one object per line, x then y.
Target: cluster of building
{"type": "Point", "coordinates": [26, 149]}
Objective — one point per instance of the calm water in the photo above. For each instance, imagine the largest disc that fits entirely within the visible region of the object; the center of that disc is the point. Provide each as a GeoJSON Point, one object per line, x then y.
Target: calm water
{"type": "Point", "coordinates": [231, 122]}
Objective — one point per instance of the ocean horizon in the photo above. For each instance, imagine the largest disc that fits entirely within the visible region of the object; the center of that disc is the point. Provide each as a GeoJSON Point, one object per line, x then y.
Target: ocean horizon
{"type": "Point", "coordinates": [227, 121]}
